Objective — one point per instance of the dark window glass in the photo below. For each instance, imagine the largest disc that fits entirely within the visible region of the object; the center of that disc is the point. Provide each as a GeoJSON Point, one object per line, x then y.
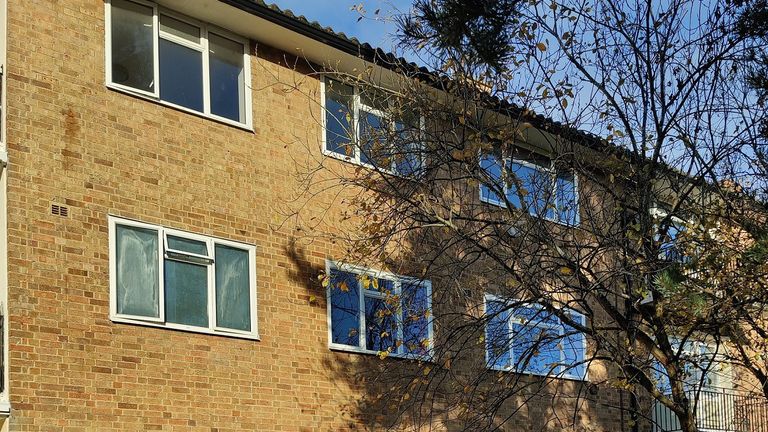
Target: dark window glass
{"type": "Point", "coordinates": [380, 325]}
{"type": "Point", "coordinates": [227, 78]}
{"type": "Point", "coordinates": [497, 335]}
{"type": "Point", "coordinates": [186, 293]}
{"type": "Point", "coordinates": [181, 75]}
{"type": "Point", "coordinates": [338, 118]}
{"type": "Point", "coordinates": [345, 308]}
{"type": "Point", "coordinates": [416, 317]}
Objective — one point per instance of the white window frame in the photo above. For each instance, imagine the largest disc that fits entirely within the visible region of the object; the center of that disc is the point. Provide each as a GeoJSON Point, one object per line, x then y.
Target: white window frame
{"type": "Point", "coordinates": [211, 242]}
{"type": "Point", "coordinates": [396, 283]}
{"type": "Point", "coordinates": [553, 172]}
{"type": "Point", "coordinates": [357, 107]}
{"type": "Point", "coordinates": [513, 319]}
{"type": "Point", "coordinates": [202, 47]}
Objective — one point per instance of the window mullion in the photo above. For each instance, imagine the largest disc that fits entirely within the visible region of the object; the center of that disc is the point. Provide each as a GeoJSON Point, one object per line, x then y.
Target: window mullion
{"type": "Point", "coordinates": [155, 49]}
{"type": "Point", "coordinates": [356, 106]}
{"type": "Point", "coordinates": [362, 339]}
{"type": "Point", "coordinates": [206, 70]}
{"type": "Point", "coordinates": [161, 274]}
{"type": "Point", "coordinates": [212, 287]}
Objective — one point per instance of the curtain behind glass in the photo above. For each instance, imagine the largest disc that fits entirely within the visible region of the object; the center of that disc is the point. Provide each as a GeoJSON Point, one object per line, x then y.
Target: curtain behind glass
{"type": "Point", "coordinates": [233, 301]}
{"type": "Point", "coordinates": [137, 272]}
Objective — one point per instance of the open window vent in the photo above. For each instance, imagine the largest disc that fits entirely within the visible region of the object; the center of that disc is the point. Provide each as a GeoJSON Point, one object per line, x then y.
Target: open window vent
{"type": "Point", "coordinates": [59, 210]}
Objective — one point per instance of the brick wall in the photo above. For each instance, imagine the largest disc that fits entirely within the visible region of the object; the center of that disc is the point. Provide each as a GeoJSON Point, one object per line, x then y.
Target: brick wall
{"type": "Point", "coordinates": [73, 142]}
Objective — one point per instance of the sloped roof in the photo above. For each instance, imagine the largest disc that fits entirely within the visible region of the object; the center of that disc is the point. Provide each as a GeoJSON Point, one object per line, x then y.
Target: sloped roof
{"type": "Point", "coordinates": [351, 45]}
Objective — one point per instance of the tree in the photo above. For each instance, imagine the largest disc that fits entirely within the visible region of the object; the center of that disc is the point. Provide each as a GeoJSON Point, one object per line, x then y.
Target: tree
{"type": "Point", "coordinates": [615, 224]}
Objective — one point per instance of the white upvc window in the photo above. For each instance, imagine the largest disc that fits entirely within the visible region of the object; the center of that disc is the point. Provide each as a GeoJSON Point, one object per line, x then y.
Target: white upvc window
{"type": "Point", "coordinates": [176, 60]}
{"type": "Point", "coordinates": [169, 278]}
{"type": "Point", "coordinates": [359, 128]}
{"type": "Point", "coordinates": [534, 184]}
{"type": "Point", "coordinates": [525, 338]}
{"type": "Point", "coordinates": [377, 312]}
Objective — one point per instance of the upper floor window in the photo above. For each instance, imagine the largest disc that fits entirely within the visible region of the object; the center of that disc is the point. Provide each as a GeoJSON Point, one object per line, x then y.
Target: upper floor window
{"type": "Point", "coordinates": [159, 54]}
{"type": "Point", "coordinates": [378, 312]}
{"type": "Point", "coordinates": [533, 183]}
{"type": "Point", "coordinates": [170, 278]}
{"type": "Point", "coordinates": [360, 127]}
{"type": "Point", "coordinates": [526, 338]}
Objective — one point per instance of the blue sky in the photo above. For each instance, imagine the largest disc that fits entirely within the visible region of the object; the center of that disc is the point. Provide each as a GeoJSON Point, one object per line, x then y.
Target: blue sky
{"type": "Point", "coordinates": [341, 16]}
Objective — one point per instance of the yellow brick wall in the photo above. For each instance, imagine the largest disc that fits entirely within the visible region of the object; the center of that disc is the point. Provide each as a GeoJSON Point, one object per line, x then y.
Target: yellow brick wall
{"type": "Point", "coordinates": [73, 142]}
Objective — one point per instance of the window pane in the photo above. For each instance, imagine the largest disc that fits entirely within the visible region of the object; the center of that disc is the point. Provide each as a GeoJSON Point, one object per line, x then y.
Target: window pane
{"type": "Point", "coordinates": [233, 298]}
{"type": "Point", "coordinates": [137, 278]}
{"type": "Point", "coordinates": [489, 163]}
{"type": "Point", "coordinates": [380, 325]}
{"type": "Point", "coordinates": [534, 185]}
{"type": "Point", "coordinates": [373, 141]}
{"type": "Point", "coordinates": [345, 308]}
{"type": "Point", "coordinates": [497, 337]}
{"type": "Point", "coordinates": [567, 206]}
{"type": "Point", "coordinates": [338, 118]}
{"type": "Point", "coordinates": [407, 151]}
{"type": "Point", "coordinates": [132, 45]}
{"type": "Point", "coordinates": [227, 78]}
{"type": "Point", "coordinates": [416, 317]}
{"type": "Point", "coordinates": [179, 29]}
{"type": "Point", "coordinates": [187, 245]}
{"type": "Point", "coordinates": [574, 352]}
{"type": "Point", "coordinates": [181, 75]}
{"type": "Point", "coordinates": [186, 293]}
{"type": "Point", "coordinates": [536, 350]}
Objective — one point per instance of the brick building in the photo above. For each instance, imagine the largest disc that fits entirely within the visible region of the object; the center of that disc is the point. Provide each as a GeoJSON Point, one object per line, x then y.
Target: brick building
{"type": "Point", "coordinates": [146, 281]}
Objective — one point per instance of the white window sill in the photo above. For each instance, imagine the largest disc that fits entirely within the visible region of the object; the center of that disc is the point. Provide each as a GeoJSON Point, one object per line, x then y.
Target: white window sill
{"type": "Point", "coordinates": [501, 204]}
{"type": "Point", "coordinates": [222, 120]}
{"type": "Point", "coordinates": [568, 377]}
{"type": "Point", "coordinates": [186, 328]}
{"type": "Point", "coordinates": [356, 350]}
{"type": "Point", "coordinates": [5, 408]}
{"type": "Point", "coordinates": [353, 161]}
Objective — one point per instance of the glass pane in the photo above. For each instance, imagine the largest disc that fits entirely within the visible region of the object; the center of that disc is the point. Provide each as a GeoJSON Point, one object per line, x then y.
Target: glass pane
{"type": "Point", "coordinates": [338, 118]}
{"type": "Point", "coordinates": [534, 185]}
{"type": "Point", "coordinates": [536, 350]}
{"type": "Point", "coordinates": [186, 293]}
{"type": "Point", "coordinates": [345, 308]}
{"type": "Point", "coordinates": [181, 75]}
{"type": "Point", "coordinates": [574, 353]}
{"type": "Point", "coordinates": [407, 151]}
{"type": "Point", "coordinates": [380, 325]}
{"type": "Point", "coordinates": [373, 141]}
{"type": "Point", "coordinates": [132, 47]}
{"type": "Point", "coordinates": [416, 317]}
{"type": "Point", "coordinates": [567, 206]}
{"type": "Point", "coordinates": [497, 337]}
{"type": "Point", "coordinates": [233, 288]}
{"type": "Point", "coordinates": [489, 163]}
{"type": "Point", "coordinates": [187, 245]}
{"type": "Point", "coordinates": [180, 29]}
{"type": "Point", "coordinates": [534, 315]}
{"type": "Point", "coordinates": [137, 278]}
{"type": "Point", "coordinates": [227, 78]}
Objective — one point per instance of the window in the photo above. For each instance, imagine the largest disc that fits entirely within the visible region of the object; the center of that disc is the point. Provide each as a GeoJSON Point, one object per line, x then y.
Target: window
{"type": "Point", "coordinates": [359, 128]}
{"type": "Point", "coordinates": [531, 182]}
{"type": "Point", "coordinates": [175, 279]}
{"type": "Point", "coordinates": [376, 312]}
{"type": "Point", "coordinates": [671, 245]}
{"type": "Point", "coordinates": [171, 58]}
{"type": "Point", "coordinates": [525, 338]}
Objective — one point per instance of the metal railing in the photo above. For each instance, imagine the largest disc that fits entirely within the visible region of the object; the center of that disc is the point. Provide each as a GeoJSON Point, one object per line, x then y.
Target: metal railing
{"type": "Point", "coordinates": [718, 411]}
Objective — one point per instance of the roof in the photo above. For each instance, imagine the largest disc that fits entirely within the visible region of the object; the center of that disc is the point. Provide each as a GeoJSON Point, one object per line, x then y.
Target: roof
{"type": "Point", "coordinates": [367, 52]}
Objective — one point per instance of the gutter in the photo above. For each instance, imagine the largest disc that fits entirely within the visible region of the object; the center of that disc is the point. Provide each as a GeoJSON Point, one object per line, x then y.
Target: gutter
{"type": "Point", "coordinates": [343, 44]}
